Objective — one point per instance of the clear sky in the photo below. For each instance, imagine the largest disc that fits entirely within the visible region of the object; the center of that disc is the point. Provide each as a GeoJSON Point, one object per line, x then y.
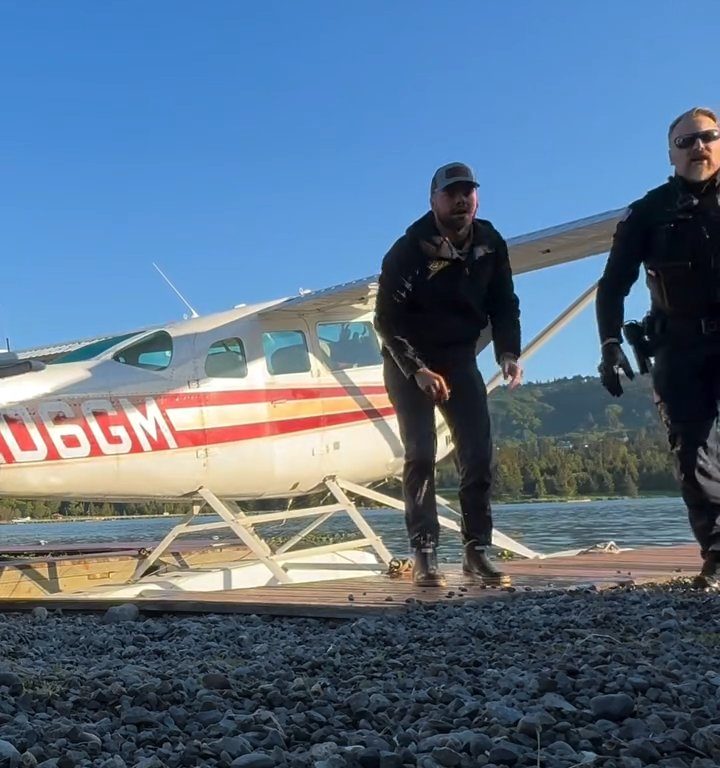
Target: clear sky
{"type": "Point", "coordinates": [252, 149]}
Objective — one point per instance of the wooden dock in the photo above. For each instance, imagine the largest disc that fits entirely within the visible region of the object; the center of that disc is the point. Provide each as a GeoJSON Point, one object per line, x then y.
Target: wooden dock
{"type": "Point", "coordinates": [377, 595]}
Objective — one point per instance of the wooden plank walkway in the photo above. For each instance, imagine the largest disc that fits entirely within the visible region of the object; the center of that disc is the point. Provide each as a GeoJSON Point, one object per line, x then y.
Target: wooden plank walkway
{"type": "Point", "coordinates": [373, 595]}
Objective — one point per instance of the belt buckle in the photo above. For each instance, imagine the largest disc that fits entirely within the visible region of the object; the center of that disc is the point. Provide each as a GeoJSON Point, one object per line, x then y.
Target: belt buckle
{"type": "Point", "coordinates": [710, 326]}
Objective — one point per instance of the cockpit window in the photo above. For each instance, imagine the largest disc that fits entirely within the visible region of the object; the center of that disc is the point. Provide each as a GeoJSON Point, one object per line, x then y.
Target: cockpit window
{"type": "Point", "coordinates": [226, 360]}
{"type": "Point", "coordinates": [348, 345]}
{"type": "Point", "coordinates": [153, 352]}
{"type": "Point", "coordinates": [89, 351]}
{"type": "Point", "coordinates": [285, 352]}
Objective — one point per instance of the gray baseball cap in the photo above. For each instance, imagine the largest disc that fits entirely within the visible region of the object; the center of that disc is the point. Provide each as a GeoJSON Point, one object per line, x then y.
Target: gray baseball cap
{"type": "Point", "coordinates": [451, 174]}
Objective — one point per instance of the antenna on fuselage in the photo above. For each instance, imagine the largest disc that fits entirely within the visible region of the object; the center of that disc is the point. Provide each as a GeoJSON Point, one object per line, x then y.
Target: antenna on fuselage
{"type": "Point", "coordinates": [182, 298]}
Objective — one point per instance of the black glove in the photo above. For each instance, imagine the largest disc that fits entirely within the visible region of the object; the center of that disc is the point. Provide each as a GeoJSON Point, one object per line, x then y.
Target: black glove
{"type": "Point", "coordinates": [613, 358]}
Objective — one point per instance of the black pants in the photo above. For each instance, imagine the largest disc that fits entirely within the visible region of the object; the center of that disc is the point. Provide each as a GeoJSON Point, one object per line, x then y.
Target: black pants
{"type": "Point", "coordinates": [686, 377]}
{"type": "Point", "coordinates": [466, 414]}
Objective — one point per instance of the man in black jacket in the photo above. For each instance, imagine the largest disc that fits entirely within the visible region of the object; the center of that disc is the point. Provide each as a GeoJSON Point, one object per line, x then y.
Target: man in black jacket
{"type": "Point", "coordinates": [674, 232]}
{"type": "Point", "coordinates": [440, 284]}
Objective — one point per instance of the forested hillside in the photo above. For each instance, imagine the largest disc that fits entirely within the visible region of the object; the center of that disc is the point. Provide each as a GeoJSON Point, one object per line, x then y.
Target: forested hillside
{"type": "Point", "coordinates": [569, 437]}
{"type": "Point", "coordinates": [572, 406]}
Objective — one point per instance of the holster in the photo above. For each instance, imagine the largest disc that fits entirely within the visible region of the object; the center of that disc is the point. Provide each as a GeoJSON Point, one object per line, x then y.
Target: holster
{"type": "Point", "coordinates": [637, 336]}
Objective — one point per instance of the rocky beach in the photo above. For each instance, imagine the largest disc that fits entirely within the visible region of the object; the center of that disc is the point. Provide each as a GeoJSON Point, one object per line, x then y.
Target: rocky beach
{"type": "Point", "coordinates": [623, 678]}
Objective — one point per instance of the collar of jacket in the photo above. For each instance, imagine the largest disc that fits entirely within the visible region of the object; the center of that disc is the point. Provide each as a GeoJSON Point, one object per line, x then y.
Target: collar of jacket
{"type": "Point", "coordinates": [435, 246]}
{"type": "Point", "coordinates": [689, 193]}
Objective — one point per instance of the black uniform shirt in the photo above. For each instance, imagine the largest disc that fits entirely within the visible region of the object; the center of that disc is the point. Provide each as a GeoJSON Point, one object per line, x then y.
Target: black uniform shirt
{"type": "Point", "coordinates": [674, 231]}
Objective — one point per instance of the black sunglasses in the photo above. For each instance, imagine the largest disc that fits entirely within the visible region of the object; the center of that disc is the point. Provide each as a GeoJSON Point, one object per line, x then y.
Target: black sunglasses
{"type": "Point", "coordinates": [689, 139]}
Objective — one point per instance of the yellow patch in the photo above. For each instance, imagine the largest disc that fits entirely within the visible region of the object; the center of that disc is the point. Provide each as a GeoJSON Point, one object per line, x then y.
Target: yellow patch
{"type": "Point", "coordinates": [435, 266]}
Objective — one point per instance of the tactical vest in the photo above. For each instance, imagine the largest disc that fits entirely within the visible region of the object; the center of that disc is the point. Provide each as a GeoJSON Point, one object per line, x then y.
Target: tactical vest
{"type": "Point", "coordinates": [683, 260]}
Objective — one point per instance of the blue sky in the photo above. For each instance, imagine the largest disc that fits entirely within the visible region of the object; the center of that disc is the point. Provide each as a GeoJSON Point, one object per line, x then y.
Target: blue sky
{"type": "Point", "coordinates": [254, 149]}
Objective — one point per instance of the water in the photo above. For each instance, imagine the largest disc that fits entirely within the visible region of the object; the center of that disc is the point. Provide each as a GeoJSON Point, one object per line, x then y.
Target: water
{"type": "Point", "coordinates": [546, 527]}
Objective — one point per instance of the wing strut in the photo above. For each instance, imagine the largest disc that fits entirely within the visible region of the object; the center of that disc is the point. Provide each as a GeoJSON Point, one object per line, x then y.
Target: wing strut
{"type": "Point", "coordinates": [550, 330]}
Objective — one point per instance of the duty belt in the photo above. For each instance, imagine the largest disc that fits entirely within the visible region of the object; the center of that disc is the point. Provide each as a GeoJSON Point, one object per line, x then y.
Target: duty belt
{"type": "Point", "coordinates": [705, 326]}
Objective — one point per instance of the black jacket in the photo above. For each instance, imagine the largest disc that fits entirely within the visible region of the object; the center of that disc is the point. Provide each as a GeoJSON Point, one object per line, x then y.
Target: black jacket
{"type": "Point", "coordinates": [432, 304]}
{"type": "Point", "coordinates": [674, 231]}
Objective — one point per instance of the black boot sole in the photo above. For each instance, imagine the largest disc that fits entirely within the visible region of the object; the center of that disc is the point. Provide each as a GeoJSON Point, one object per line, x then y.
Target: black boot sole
{"type": "Point", "coordinates": [502, 579]}
{"type": "Point", "coordinates": [433, 581]}
{"type": "Point", "coordinates": [711, 583]}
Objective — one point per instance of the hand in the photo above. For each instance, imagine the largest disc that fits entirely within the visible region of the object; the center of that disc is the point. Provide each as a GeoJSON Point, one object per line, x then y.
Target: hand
{"type": "Point", "coordinates": [512, 370]}
{"type": "Point", "coordinates": [433, 384]}
{"type": "Point", "coordinates": [613, 359]}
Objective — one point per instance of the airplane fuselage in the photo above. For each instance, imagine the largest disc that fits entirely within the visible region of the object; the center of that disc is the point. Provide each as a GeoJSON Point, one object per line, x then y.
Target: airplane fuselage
{"type": "Point", "coordinates": [246, 405]}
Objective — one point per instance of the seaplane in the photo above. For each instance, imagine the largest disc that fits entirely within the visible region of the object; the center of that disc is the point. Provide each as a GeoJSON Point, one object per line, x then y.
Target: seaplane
{"type": "Point", "coordinates": [277, 400]}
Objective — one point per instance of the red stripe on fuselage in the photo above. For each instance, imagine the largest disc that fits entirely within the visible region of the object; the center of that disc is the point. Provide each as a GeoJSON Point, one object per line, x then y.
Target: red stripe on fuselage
{"type": "Point", "coordinates": [237, 433]}
{"type": "Point", "coordinates": [191, 438]}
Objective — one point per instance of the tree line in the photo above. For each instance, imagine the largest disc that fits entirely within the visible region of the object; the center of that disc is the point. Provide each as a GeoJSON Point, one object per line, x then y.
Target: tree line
{"type": "Point", "coordinates": [591, 466]}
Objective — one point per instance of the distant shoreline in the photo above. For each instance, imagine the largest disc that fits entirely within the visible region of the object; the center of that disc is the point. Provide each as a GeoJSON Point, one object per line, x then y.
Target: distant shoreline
{"type": "Point", "coordinates": [448, 492]}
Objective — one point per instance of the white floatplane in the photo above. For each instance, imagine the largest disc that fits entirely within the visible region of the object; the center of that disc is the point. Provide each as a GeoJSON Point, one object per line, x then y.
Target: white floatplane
{"type": "Point", "coordinates": [275, 400]}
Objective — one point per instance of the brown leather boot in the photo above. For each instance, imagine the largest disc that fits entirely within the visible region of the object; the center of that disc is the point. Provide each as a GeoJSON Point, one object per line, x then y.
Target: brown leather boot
{"type": "Point", "coordinates": [477, 564]}
{"type": "Point", "coordinates": [426, 572]}
{"type": "Point", "coordinates": [709, 576]}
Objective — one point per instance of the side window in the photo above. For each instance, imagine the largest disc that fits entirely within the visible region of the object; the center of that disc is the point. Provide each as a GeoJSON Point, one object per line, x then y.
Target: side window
{"type": "Point", "coordinates": [348, 345]}
{"type": "Point", "coordinates": [226, 360]}
{"type": "Point", "coordinates": [285, 352]}
{"type": "Point", "coordinates": [153, 353]}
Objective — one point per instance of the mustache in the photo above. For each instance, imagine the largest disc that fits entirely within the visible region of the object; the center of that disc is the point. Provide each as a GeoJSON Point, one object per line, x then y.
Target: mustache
{"type": "Point", "coordinates": [700, 156]}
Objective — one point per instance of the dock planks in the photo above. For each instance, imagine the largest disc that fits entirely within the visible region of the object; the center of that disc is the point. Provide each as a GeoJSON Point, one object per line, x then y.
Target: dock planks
{"type": "Point", "coordinates": [382, 595]}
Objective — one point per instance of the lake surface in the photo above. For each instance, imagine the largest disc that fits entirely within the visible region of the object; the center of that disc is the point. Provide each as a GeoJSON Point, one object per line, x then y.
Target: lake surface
{"type": "Point", "coordinates": [544, 527]}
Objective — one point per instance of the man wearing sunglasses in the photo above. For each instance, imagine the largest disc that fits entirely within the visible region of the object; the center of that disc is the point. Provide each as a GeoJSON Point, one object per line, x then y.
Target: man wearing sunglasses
{"type": "Point", "coordinates": [674, 233]}
{"type": "Point", "coordinates": [440, 284]}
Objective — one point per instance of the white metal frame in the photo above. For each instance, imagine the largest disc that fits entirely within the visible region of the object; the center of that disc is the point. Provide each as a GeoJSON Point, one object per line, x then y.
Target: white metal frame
{"type": "Point", "coordinates": [243, 525]}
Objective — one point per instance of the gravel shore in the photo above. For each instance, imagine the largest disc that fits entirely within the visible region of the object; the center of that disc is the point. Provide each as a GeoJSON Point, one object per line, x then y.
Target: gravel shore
{"type": "Point", "coordinates": [625, 678]}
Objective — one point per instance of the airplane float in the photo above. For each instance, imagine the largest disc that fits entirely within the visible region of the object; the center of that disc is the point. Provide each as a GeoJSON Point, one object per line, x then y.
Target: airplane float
{"type": "Point", "coordinates": [270, 401]}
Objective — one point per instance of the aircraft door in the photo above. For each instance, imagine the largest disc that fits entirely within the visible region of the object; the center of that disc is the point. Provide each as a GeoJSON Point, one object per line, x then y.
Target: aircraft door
{"type": "Point", "coordinates": [360, 438]}
{"type": "Point", "coordinates": [228, 413]}
{"type": "Point", "coordinates": [294, 402]}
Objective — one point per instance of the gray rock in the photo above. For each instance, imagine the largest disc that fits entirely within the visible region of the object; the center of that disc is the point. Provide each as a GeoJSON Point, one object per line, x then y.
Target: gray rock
{"type": "Point", "coordinates": [215, 681]}
{"type": "Point", "coordinates": [505, 752]}
{"type": "Point", "coordinates": [9, 755]}
{"type": "Point", "coordinates": [555, 701]}
{"type": "Point", "coordinates": [235, 746]}
{"type": "Point", "coordinates": [612, 706]}
{"type": "Point", "coordinates": [11, 681]}
{"type": "Point", "coordinates": [503, 714]}
{"type": "Point", "coordinates": [560, 748]}
{"type": "Point", "coordinates": [445, 756]}
{"type": "Point", "coordinates": [707, 740]}
{"type": "Point", "coordinates": [530, 724]}
{"type": "Point", "coordinates": [323, 750]}
{"type": "Point", "coordinates": [628, 761]}
{"type": "Point", "coordinates": [335, 761]}
{"type": "Point", "coordinates": [645, 750]}
{"type": "Point", "coordinates": [480, 744]}
{"type": "Point", "coordinates": [253, 760]}
{"type": "Point", "coordinates": [392, 760]}
{"type": "Point", "coordinates": [118, 614]}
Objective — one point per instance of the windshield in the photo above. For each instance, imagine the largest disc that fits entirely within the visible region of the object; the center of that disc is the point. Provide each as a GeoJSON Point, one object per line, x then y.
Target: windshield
{"type": "Point", "coordinates": [89, 351]}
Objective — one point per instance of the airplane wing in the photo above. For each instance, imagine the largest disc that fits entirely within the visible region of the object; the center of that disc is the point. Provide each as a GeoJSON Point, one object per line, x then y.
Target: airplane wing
{"type": "Point", "coordinates": [566, 242]}
{"type": "Point", "coordinates": [51, 351]}
{"type": "Point", "coordinates": [537, 250]}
